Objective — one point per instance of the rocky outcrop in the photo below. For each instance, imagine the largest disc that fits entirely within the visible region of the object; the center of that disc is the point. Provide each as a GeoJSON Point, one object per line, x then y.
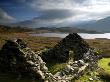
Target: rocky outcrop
{"type": "Point", "coordinates": [16, 57]}
{"type": "Point", "coordinates": [71, 43]}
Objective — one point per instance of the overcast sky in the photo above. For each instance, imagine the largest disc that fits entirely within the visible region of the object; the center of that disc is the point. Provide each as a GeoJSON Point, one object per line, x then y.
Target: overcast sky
{"type": "Point", "coordinates": [53, 11]}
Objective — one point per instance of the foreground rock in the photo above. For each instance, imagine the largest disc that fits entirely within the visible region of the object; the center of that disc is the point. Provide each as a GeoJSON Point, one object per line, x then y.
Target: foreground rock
{"type": "Point", "coordinates": [16, 57]}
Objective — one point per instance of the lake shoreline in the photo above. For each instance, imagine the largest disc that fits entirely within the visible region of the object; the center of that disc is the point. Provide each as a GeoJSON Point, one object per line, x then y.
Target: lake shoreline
{"type": "Point", "coordinates": [83, 35]}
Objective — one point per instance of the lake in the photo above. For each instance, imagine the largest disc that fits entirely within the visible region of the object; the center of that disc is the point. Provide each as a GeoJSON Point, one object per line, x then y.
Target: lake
{"type": "Point", "coordinates": [83, 35]}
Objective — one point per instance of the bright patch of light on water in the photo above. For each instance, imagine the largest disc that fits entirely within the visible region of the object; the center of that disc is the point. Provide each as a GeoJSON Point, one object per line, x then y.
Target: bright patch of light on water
{"type": "Point", "coordinates": [83, 35]}
{"type": "Point", "coordinates": [93, 36]}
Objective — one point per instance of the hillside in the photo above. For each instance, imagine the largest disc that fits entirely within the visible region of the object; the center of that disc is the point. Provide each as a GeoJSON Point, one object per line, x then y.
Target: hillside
{"type": "Point", "coordinates": [9, 29]}
{"type": "Point", "coordinates": [102, 25]}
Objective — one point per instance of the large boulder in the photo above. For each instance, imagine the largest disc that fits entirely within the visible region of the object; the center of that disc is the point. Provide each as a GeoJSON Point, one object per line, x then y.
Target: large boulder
{"type": "Point", "coordinates": [61, 52]}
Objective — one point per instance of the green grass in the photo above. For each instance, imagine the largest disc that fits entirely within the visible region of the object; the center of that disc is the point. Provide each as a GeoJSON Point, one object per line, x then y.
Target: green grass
{"type": "Point", "coordinates": [86, 76]}
{"type": "Point", "coordinates": [103, 63]}
{"type": "Point", "coordinates": [53, 68]}
{"type": "Point", "coordinates": [104, 72]}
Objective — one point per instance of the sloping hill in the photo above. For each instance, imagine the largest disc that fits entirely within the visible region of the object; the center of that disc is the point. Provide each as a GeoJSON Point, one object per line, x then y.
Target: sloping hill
{"type": "Point", "coordinates": [102, 25]}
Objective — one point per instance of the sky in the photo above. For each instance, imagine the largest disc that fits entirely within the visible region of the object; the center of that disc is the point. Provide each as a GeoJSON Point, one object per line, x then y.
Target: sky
{"type": "Point", "coordinates": [53, 11]}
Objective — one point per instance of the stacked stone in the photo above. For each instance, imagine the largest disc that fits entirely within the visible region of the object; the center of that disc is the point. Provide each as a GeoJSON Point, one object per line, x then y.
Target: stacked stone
{"type": "Point", "coordinates": [77, 68]}
{"type": "Point", "coordinates": [16, 57]}
{"type": "Point", "coordinates": [60, 53]}
{"type": "Point", "coordinates": [71, 71]}
{"type": "Point", "coordinates": [92, 58]}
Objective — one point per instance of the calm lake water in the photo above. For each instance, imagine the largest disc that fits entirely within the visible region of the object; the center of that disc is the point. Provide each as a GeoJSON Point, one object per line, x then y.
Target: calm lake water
{"type": "Point", "coordinates": [83, 35]}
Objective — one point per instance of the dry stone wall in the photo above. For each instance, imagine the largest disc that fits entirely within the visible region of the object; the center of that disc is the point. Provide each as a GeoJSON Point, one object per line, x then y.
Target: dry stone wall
{"type": "Point", "coordinates": [17, 58]}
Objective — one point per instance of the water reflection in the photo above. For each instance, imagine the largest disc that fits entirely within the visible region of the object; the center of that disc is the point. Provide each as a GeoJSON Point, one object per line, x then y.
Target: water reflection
{"type": "Point", "coordinates": [83, 35]}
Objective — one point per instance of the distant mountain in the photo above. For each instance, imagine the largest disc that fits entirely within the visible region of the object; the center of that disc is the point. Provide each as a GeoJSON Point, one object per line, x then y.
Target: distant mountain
{"type": "Point", "coordinates": [102, 25]}
{"type": "Point", "coordinates": [66, 27]}
{"type": "Point", "coordinates": [9, 29]}
{"type": "Point", "coordinates": [93, 26]}
{"type": "Point", "coordinates": [65, 30]}
{"type": "Point", "coordinates": [34, 23]}
{"type": "Point", "coordinates": [27, 23]}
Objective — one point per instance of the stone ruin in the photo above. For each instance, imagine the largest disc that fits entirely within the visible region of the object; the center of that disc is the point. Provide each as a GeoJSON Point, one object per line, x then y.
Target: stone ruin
{"type": "Point", "coordinates": [72, 43]}
{"type": "Point", "coordinates": [17, 58]}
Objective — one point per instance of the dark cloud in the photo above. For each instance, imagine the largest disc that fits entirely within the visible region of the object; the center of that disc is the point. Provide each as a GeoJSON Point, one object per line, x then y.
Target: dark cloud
{"type": "Point", "coordinates": [4, 17]}
{"type": "Point", "coordinates": [55, 14]}
{"type": "Point", "coordinates": [48, 11]}
{"type": "Point", "coordinates": [50, 17]}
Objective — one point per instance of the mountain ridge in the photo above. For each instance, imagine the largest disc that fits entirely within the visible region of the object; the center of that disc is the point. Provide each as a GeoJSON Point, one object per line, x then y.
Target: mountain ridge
{"type": "Point", "coordinates": [102, 25]}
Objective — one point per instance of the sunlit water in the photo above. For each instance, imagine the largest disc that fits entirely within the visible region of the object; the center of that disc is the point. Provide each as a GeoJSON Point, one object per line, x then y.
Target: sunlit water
{"type": "Point", "coordinates": [83, 35]}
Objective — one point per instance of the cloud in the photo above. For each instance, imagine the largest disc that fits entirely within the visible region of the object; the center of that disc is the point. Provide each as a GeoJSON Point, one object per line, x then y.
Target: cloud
{"type": "Point", "coordinates": [79, 1]}
{"type": "Point", "coordinates": [56, 14]}
{"type": "Point", "coordinates": [51, 4]}
{"type": "Point", "coordinates": [62, 10]}
{"type": "Point", "coordinates": [59, 11]}
{"type": "Point", "coordinates": [85, 7]}
{"type": "Point", "coordinates": [5, 18]}
{"type": "Point", "coordinates": [52, 17]}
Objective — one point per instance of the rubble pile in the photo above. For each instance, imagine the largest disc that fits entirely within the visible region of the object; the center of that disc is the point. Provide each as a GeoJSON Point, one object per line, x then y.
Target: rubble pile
{"type": "Point", "coordinates": [60, 53]}
{"type": "Point", "coordinates": [17, 58]}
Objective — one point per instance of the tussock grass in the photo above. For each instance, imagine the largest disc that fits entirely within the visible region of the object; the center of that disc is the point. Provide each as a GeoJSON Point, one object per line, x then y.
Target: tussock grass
{"type": "Point", "coordinates": [53, 68]}
{"type": "Point", "coordinates": [35, 43]}
{"type": "Point", "coordinates": [102, 44]}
